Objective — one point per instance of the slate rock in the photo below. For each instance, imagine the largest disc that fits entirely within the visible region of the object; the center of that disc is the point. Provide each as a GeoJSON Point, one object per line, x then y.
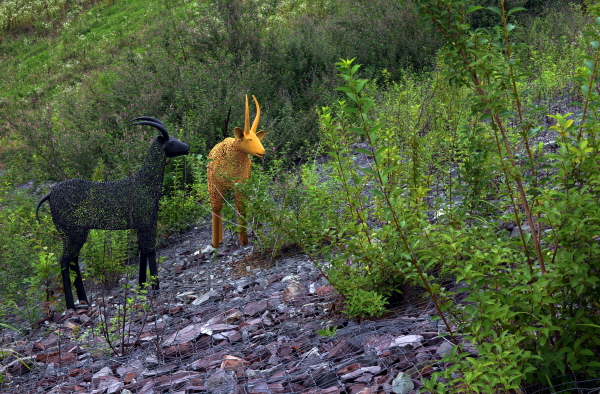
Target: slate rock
{"type": "Point", "coordinates": [291, 291]}
{"type": "Point", "coordinates": [167, 381]}
{"type": "Point", "coordinates": [444, 348]}
{"type": "Point", "coordinates": [402, 384]}
{"type": "Point", "coordinates": [255, 307]}
{"type": "Point", "coordinates": [184, 335]}
{"type": "Point", "coordinates": [135, 367]}
{"type": "Point", "coordinates": [233, 363]}
{"type": "Point", "coordinates": [355, 388]}
{"type": "Point", "coordinates": [360, 371]}
{"type": "Point", "coordinates": [325, 291]}
{"type": "Point", "coordinates": [219, 378]}
{"type": "Point", "coordinates": [407, 340]}
{"type": "Point", "coordinates": [104, 372]}
{"type": "Point", "coordinates": [341, 349]}
{"type": "Point", "coordinates": [108, 385]}
{"type": "Point", "coordinates": [327, 379]}
{"type": "Point", "coordinates": [205, 297]}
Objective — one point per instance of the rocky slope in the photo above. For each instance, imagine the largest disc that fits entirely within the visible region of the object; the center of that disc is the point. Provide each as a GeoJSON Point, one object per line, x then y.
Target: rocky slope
{"type": "Point", "coordinates": [231, 322]}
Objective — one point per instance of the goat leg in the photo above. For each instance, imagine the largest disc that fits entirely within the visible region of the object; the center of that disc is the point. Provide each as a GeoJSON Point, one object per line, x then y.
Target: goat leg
{"type": "Point", "coordinates": [148, 260]}
{"type": "Point", "coordinates": [217, 229]}
{"type": "Point", "coordinates": [239, 203]}
{"type": "Point", "coordinates": [79, 281]}
{"type": "Point", "coordinates": [64, 270]}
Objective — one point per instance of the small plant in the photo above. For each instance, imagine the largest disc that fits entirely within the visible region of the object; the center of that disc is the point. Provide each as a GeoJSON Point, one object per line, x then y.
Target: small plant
{"type": "Point", "coordinates": [115, 320]}
{"type": "Point", "coordinates": [186, 195]}
{"type": "Point", "coordinates": [328, 332]}
{"type": "Point", "coordinates": [47, 270]}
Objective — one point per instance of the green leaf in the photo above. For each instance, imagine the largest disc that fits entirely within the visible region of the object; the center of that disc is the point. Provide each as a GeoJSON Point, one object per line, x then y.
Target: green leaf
{"type": "Point", "coordinates": [352, 96]}
{"type": "Point", "coordinates": [372, 137]}
{"type": "Point", "coordinates": [377, 192]}
{"type": "Point", "coordinates": [586, 352]}
{"type": "Point", "coordinates": [473, 8]}
{"type": "Point", "coordinates": [515, 9]}
{"type": "Point", "coordinates": [367, 105]}
{"type": "Point", "coordinates": [389, 169]}
{"type": "Point", "coordinates": [379, 152]}
{"type": "Point", "coordinates": [591, 325]}
{"type": "Point", "coordinates": [375, 128]}
{"type": "Point", "coordinates": [585, 89]}
{"type": "Point", "coordinates": [595, 44]}
{"type": "Point", "coordinates": [354, 69]}
{"type": "Point", "coordinates": [370, 171]}
{"type": "Point", "coordinates": [360, 85]}
{"type": "Point", "coordinates": [509, 26]}
{"type": "Point", "coordinates": [495, 9]}
{"type": "Point", "coordinates": [366, 152]}
{"type": "Point", "coordinates": [589, 64]}
{"type": "Point", "coordinates": [357, 130]}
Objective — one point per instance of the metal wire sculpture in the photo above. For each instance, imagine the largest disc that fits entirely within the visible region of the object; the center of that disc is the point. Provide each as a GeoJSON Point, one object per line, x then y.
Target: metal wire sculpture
{"type": "Point", "coordinates": [78, 206]}
{"type": "Point", "coordinates": [230, 165]}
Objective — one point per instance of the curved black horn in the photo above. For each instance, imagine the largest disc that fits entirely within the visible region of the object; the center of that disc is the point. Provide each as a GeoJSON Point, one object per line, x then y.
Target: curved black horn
{"type": "Point", "coordinates": [150, 119]}
{"type": "Point", "coordinates": [159, 126]}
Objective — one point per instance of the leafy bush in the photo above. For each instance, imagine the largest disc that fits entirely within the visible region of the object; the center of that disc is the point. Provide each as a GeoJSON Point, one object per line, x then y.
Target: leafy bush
{"type": "Point", "coordinates": [20, 240]}
{"type": "Point", "coordinates": [554, 43]}
{"type": "Point", "coordinates": [530, 302]}
{"type": "Point", "coordinates": [185, 200]}
{"type": "Point", "coordinates": [353, 218]}
{"type": "Point", "coordinates": [530, 306]}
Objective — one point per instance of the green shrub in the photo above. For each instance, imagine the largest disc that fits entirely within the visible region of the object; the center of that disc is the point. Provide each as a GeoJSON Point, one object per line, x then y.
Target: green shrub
{"type": "Point", "coordinates": [22, 264]}
{"type": "Point", "coordinates": [553, 44]}
{"type": "Point", "coordinates": [288, 208]}
{"type": "Point", "coordinates": [530, 304]}
{"type": "Point", "coordinates": [185, 200]}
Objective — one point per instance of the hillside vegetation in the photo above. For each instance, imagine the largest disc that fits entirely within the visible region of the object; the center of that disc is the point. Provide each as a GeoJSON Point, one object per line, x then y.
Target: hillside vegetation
{"type": "Point", "coordinates": [472, 119]}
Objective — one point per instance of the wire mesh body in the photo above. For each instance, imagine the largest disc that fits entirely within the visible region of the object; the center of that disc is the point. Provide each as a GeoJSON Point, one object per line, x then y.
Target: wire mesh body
{"type": "Point", "coordinates": [78, 206]}
{"type": "Point", "coordinates": [229, 165]}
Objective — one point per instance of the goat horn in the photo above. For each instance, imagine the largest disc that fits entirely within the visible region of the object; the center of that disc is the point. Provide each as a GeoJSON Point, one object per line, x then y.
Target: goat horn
{"type": "Point", "coordinates": [255, 123]}
{"type": "Point", "coordinates": [247, 124]}
{"type": "Point", "coordinates": [158, 126]}
{"type": "Point", "coordinates": [150, 119]}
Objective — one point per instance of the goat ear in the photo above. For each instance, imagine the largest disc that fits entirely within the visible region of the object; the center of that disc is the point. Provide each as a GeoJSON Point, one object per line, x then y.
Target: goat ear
{"type": "Point", "coordinates": [261, 134]}
{"type": "Point", "coordinates": [238, 133]}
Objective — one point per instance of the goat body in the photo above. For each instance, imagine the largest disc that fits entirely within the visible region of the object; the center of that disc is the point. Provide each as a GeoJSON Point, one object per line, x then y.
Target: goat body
{"type": "Point", "coordinates": [78, 206]}
{"type": "Point", "coordinates": [229, 164]}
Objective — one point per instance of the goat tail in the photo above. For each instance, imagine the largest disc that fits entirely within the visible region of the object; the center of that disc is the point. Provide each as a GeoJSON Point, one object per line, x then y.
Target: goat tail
{"type": "Point", "coordinates": [37, 207]}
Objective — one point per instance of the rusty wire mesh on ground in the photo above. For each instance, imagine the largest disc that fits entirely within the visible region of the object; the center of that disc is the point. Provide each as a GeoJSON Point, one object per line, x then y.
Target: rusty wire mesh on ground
{"type": "Point", "coordinates": [233, 323]}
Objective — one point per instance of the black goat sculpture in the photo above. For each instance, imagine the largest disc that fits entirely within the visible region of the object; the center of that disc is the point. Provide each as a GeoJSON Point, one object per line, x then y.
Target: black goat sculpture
{"type": "Point", "coordinates": [78, 206]}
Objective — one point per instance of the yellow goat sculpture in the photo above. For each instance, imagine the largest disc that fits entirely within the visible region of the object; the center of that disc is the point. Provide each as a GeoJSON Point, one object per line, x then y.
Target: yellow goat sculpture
{"type": "Point", "coordinates": [231, 165]}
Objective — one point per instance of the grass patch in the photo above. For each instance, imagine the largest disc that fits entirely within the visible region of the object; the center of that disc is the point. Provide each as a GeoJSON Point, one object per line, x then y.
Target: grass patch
{"type": "Point", "coordinates": [38, 64]}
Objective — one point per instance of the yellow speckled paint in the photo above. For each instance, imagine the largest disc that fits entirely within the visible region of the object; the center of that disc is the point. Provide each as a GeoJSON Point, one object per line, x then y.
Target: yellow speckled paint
{"type": "Point", "coordinates": [230, 165]}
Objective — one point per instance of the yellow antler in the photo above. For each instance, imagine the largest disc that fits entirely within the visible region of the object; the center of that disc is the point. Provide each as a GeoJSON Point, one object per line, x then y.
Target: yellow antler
{"type": "Point", "coordinates": [255, 124]}
{"type": "Point", "coordinates": [247, 123]}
